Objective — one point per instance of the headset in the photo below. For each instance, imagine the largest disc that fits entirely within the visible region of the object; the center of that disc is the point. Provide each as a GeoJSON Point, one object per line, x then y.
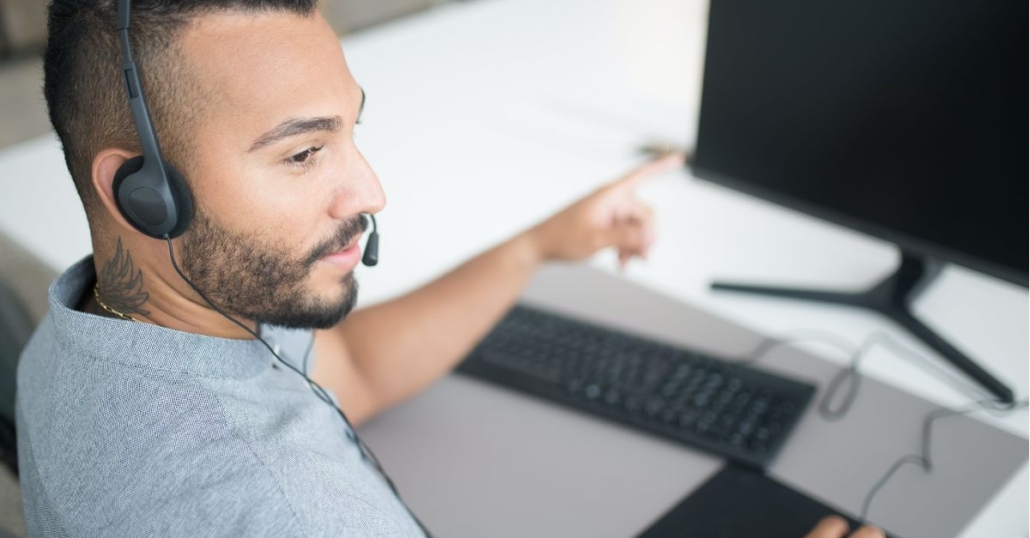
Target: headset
{"type": "Point", "coordinates": [149, 192]}
{"type": "Point", "coordinates": [155, 199]}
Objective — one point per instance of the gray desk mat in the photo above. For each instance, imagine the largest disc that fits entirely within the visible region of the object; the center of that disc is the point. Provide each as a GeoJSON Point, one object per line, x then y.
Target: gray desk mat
{"type": "Point", "coordinates": [476, 460]}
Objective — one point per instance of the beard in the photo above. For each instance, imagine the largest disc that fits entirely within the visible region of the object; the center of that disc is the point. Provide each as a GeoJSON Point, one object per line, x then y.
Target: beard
{"type": "Point", "coordinates": [265, 283]}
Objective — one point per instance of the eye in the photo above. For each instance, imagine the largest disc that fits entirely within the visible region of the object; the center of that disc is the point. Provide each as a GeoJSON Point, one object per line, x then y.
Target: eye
{"type": "Point", "coordinates": [303, 158]}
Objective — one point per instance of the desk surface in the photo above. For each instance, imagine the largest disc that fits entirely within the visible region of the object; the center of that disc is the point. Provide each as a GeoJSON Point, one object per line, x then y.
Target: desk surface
{"type": "Point", "coordinates": [485, 117]}
{"type": "Point", "coordinates": [478, 461]}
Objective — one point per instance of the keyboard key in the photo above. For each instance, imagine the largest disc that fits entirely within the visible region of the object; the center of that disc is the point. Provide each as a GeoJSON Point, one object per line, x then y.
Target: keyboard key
{"type": "Point", "coordinates": [634, 404]}
{"type": "Point", "coordinates": [688, 417]}
{"type": "Point", "coordinates": [654, 406]}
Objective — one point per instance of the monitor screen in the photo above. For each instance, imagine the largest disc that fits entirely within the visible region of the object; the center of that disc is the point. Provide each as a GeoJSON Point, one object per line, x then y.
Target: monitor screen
{"type": "Point", "coordinates": [900, 118]}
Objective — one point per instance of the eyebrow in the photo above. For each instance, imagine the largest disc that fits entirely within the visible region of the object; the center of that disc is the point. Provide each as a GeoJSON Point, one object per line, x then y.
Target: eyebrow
{"type": "Point", "coordinates": [296, 126]}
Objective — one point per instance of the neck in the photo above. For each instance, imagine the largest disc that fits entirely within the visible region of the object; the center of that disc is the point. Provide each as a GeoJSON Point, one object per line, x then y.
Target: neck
{"type": "Point", "coordinates": [155, 294]}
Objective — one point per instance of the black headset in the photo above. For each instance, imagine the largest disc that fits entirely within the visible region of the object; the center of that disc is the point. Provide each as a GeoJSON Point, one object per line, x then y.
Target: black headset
{"type": "Point", "coordinates": [149, 192]}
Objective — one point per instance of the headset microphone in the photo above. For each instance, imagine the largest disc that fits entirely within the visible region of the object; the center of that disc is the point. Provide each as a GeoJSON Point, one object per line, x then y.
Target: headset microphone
{"type": "Point", "coordinates": [371, 257]}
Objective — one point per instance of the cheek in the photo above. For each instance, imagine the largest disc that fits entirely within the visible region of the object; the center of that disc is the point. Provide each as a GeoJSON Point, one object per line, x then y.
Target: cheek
{"type": "Point", "coordinates": [284, 209]}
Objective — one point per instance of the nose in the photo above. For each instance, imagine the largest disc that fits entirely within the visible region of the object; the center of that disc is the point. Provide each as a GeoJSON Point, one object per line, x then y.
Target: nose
{"type": "Point", "coordinates": [359, 192]}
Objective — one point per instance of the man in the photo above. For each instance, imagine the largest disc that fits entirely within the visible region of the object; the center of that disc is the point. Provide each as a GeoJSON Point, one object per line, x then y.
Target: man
{"type": "Point", "coordinates": [142, 409]}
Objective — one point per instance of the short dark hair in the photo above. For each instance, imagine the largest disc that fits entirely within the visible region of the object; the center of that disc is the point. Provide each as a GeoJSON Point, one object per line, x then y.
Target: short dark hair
{"type": "Point", "coordinates": [84, 89]}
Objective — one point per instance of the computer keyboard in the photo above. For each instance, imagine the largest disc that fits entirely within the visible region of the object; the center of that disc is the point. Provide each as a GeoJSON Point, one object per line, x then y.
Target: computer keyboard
{"type": "Point", "coordinates": [731, 410]}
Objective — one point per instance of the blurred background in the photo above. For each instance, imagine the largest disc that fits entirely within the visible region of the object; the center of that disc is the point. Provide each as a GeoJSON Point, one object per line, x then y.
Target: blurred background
{"type": "Point", "coordinates": [23, 31]}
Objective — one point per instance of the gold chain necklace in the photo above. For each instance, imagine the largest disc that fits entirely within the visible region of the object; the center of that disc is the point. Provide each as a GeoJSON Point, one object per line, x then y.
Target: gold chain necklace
{"type": "Point", "coordinates": [105, 306]}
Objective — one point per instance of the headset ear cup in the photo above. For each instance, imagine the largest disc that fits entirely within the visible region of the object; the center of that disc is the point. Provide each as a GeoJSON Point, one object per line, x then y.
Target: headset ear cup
{"type": "Point", "coordinates": [127, 168]}
{"type": "Point", "coordinates": [183, 200]}
{"type": "Point", "coordinates": [176, 185]}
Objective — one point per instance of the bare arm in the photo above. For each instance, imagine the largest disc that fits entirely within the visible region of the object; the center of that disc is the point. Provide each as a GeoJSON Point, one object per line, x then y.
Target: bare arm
{"type": "Point", "coordinates": [401, 346]}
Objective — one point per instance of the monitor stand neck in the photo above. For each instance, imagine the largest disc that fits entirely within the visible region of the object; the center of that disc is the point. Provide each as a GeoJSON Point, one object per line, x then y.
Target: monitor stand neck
{"type": "Point", "coordinates": [892, 297]}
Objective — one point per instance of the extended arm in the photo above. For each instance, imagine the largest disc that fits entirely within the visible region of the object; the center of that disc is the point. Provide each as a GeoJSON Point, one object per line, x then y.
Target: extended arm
{"type": "Point", "coordinates": [386, 353]}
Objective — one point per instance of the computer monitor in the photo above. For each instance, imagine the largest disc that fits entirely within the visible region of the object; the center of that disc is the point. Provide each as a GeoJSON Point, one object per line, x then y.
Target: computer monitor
{"type": "Point", "coordinates": [902, 119]}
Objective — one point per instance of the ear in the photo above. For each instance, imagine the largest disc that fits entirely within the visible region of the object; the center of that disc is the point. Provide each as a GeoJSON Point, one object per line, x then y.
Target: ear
{"type": "Point", "coordinates": [105, 166]}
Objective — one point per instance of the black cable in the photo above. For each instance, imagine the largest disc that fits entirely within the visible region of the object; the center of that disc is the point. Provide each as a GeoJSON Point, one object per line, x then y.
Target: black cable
{"type": "Point", "coordinates": [846, 374]}
{"type": "Point", "coordinates": [851, 375]}
{"type": "Point", "coordinates": [307, 353]}
{"type": "Point", "coordinates": [923, 459]}
{"type": "Point", "coordinates": [853, 380]}
{"type": "Point", "coordinates": [320, 392]}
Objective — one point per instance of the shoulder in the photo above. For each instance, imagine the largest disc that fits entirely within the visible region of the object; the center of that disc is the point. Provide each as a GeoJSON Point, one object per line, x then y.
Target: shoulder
{"type": "Point", "coordinates": [111, 449]}
{"type": "Point", "coordinates": [144, 456]}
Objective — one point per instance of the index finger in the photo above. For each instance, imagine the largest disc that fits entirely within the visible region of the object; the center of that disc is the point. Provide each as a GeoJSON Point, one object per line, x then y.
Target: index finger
{"type": "Point", "coordinates": [650, 169]}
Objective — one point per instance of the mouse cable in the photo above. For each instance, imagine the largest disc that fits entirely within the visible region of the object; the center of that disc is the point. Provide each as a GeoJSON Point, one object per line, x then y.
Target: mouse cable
{"type": "Point", "coordinates": [320, 392]}
{"type": "Point", "coordinates": [848, 377]}
{"type": "Point", "coordinates": [923, 459]}
{"type": "Point", "coordinates": [852, 376]}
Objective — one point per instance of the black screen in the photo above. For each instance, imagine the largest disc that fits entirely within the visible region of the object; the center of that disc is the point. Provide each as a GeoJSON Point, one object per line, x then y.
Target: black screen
{"type": "Point", "coordinates": [901, 118]}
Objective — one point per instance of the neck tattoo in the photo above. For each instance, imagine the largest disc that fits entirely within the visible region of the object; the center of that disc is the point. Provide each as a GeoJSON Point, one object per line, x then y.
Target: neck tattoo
{"type": "Point", "coordinates": [119, 287]}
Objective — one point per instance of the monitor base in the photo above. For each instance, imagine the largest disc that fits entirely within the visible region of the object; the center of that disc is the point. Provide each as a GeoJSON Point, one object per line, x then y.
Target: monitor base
{"type": "Point", "coordinates": [892, 298]}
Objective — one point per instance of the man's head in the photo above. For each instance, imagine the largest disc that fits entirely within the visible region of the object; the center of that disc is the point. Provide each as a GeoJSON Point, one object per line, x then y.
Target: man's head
{"type": "Point", "coordinates": [253, 102]}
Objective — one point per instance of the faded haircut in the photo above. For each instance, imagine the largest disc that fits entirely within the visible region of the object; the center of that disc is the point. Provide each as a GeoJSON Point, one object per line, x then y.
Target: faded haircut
{"type": "Point", "coordinates": [84, 88]}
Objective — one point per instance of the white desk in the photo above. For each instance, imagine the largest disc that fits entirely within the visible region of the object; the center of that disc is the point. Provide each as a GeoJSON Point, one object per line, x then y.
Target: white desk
{"type": "Point", "coordinates": [483, 118]}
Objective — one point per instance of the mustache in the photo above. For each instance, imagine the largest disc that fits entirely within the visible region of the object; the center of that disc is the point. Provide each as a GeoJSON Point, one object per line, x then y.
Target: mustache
{"type": "Point", "coordinates": [347, 232]}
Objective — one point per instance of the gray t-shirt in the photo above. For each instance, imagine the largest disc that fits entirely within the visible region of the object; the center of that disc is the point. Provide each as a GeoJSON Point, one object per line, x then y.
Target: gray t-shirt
{"type": "Point", "coordinates": [130, 429]}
